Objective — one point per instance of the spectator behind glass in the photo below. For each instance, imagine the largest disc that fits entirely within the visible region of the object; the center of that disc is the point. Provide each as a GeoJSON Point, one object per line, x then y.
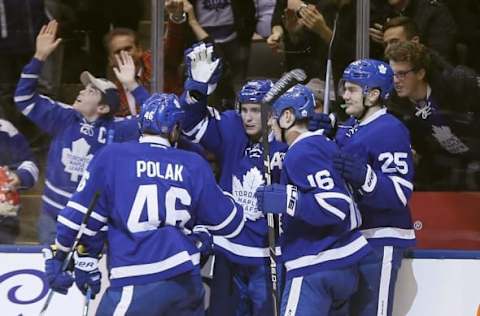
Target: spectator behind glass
{"type": "Point", "coordinates": [18, 164]}
{"type": "Point", "coordinates": [123, 39]}
{"type": "Point", "coordinates": [306, 30]}
{"type": "Point", "coordinates": [441, 111]}
{"type": "Point", "coordinates": [434, 21]}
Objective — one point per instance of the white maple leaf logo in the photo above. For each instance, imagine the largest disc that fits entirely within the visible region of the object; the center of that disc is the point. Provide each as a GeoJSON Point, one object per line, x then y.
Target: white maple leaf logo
{"type": "Point", "coordinates": [76, 159]}
{"type": "Point", "coordinates": [244, 194]}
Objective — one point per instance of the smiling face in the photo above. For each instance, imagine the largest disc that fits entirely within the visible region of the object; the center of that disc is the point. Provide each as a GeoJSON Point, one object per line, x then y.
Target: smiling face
{"type": "Point", "coordinates": [87, 101]}
{"type": "Point", "coordinates": [252, 119]}
{"type": "Point", "coordinates": [353, 97]}
{"type": "Point", "coordinates": [406, 79]}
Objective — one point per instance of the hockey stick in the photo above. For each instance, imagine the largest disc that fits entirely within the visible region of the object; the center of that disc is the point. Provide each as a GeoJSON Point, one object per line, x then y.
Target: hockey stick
{"type": "Point", "coordinates": [68, 258]}
{"type": "Point", "coordinates": [328, 72]}
{"type": "Point", "coordinates": [86, 305]}
{"type": "Point", "coordinates": [280, 87]}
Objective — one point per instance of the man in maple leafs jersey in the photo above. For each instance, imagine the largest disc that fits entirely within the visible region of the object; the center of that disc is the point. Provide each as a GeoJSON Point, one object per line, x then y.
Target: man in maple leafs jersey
{"type": "Point", "coordinates": [235, 139]}
{"type": "Point", "coordinates": [77, 131]}
{"type": "Point", "coordinates": [321, 246]}
{"type": "Point", "coordinates": [152, 197]}
{"type": "Point", "coordinates": [376, 161]}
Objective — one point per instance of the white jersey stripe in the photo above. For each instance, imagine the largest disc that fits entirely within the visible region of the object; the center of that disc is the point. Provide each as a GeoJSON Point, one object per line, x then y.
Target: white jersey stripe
{"type": "Point", "coordinates": [321, 200]}
{"type": "Point", "coordinates": [73, 226]}
{"type": "Point", "coordinates": [385, 277]}
{"type": "Point", "coordinates": [294, 296]}
{"type": "Point", "coordinates": [125, 301]}
{"type": "Point", "coordinates": [57, 190]}
{"type": "Point", "coordinates": [23, 98]}
{"type": "Point", "coordinates": [388, 232]}
{"type": "Point", "coordinates": [151, 268]}
{"type": "Point", "coordinates": [26, 111]}
{"type": "Point", "coordinates": [83, 209]}
{"type": "Point", "coordinates": [52, 203]}
{"type": "Point", "coordinates": [327, 255]}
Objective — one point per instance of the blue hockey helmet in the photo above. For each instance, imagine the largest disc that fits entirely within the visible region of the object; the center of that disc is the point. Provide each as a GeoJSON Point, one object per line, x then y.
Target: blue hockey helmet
{"type": "Point", "coordinates": [254, 91]}
{"type": "Point", "coordinates": [369, 74]}
{"type": "Point", "coordinates": [160, 113]}
{"type": "Point", "coordinates": [299, 98]}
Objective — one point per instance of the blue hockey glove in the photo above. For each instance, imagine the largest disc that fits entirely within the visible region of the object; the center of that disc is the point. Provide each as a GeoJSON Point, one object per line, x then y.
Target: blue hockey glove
{"type": "Point", "coordinates": [59, 281]}
{"type": "Point", "coordinates": [327, 122]}
{"type": "Point", "coordinates": [277, 198]}
{"type": "Point", "coordinates": [203, 240]}
{"type": "Point", "coordinates": [87, 274]}
{"type": "Point", "coordinates": [355, 170]}
{"type": "Point", "coordinates": [204, 69]}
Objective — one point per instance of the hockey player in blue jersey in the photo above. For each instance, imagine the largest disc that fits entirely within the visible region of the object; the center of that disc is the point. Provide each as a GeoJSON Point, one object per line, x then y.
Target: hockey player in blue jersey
{"type": "Point", "coordinates": [376, 160]}
{"type": "Point", "coordinates": [18, 164]}
{"type": "Point", "coordinates": [321, 245]}
{"type": "Point", "coordinates": [77, 131]}
{"type": "Point", "coordinates": [152, 196]}
{"type": "Point", "coordinates": [235, 139]}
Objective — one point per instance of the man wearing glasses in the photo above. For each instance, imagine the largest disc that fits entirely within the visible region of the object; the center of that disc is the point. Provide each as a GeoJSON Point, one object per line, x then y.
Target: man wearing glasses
{"type": "Point", "coordinates": [439, 109]}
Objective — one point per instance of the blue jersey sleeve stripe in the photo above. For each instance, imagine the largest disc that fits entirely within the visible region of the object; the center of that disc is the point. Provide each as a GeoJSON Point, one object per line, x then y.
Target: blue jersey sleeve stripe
{"type": "Point", "coordinates": [26, 111]}
{"type": "Point", "coordinates": [197, 132]}
{"type": "Point", "coordinates": [389, 232]}
{"type": "Point", "coordinates": [397, 183]}
{"type": "Point", "coordinates": [30, 167]}
{"type": "Point", "coordinates": [83, 209]}
{"type": "Point", "coordinates": [66, 222]}
{"type": "Point", "coordinates": [238, 229]}
{"type": "Point", "coordinates": [28, 76]}
{"type": "Point", "coordinates": [323, 196]}
{"type": "Point", "coordinates": [57, 190]}
{"type": "Point", "coordinates": [327, 255]}
{"type": "Point", "coordinates": [52, 203]}
{"type": "Point", "coordinates": [151, 268]}
{"type": "Point", "coordinates": [23, 98]}
{"type": "Point", "coordinates": [240, 250]}
{"type": "Point", "coordinates": [62, 247]}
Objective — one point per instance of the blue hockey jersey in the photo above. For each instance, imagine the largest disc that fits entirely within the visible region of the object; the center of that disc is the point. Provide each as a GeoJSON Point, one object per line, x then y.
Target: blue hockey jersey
{"type": "Point", "coordinates": [322, 233]}
{"type": "Point", "coordinates": [151, 197]}
{"type": "Point", "coordinates": [241, 164]}
{"type": "Point", "coordinates": [75, 141]}
{"type": "Point", "coordinates": [16, 155]}
{"type": "Point", "coordinates": [384, 208]}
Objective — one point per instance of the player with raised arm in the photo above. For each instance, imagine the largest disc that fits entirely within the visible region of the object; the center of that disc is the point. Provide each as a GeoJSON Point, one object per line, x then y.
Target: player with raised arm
{"type": "Point", "coordinates": [77, 131]}
{"type": "Point", "coordinates": [376, 161]}
{"type": "Point", "coordinates": [235, 139]}
{"type": "Point", "coordinates": [321, 245]}
{"type": "Point", "coordinates": [153, 198]}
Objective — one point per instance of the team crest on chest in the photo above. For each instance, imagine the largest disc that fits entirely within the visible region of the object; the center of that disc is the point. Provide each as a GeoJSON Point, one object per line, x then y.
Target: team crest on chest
{"type": "Point", "coordinates": [244, 192]}
{"type": "Point", "coordinates": [76, 159]}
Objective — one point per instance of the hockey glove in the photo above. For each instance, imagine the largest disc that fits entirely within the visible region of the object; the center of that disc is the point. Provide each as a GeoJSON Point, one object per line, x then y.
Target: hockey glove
{"type": "Point", "coordinates": [203, 240]}
{"type": "Point", "coordinates": [327, 122]}
{"type": "Point", "coordinates": [204, 70]}
{"type": "Point", "coordinates": [278, 198]}
{"type": "Point", "coordinates": [87, 274]}
{"type": "Point", "coordinates": [355, 170]}
{"type": "Point", "coordinates": [59, 281]}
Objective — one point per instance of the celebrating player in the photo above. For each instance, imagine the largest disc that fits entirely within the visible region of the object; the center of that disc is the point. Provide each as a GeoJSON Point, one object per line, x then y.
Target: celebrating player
{"type": "Point", "coordinates": [152, 196]}
{"type": "Point", "coordinates": [77, 131]}
{"type": "Point", "coordinates": [376, 161]}
{"type": "Point", "coordinates": [320, 242]}
{"type": "Point", "coordinates": [235, 139]}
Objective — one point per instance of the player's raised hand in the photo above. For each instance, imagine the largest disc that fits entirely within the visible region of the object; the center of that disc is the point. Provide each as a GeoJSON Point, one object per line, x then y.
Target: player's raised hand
{"type": "Point", "coordinates": [204, 69]}
{"type": "Point", "coordinates": [47, 40]}
{"type": "Point", "coordinates": [125, 70]}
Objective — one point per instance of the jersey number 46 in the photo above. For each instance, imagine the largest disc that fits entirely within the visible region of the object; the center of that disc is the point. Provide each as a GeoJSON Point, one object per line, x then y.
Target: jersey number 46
{"type": "Point", "coordinates": [147, 195]}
